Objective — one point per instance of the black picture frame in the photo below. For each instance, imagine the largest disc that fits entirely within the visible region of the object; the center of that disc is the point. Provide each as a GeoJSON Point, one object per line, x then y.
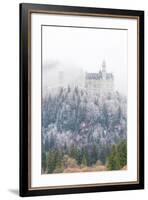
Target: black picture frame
{"type": "Point", "coordinates": [25, 97]}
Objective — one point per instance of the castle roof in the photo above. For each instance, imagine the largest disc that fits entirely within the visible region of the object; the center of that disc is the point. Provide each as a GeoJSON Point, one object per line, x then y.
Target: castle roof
{"type": "Point", "coordinates": [102, 75]}
{"type": "Point", "coordinates": [98, 76]}
{"type": "Point", "coordinates": [92, 76]}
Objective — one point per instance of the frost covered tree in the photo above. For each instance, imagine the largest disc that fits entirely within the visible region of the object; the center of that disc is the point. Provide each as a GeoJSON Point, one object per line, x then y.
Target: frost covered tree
{"type": "Point", "coordinates": [81, 126]}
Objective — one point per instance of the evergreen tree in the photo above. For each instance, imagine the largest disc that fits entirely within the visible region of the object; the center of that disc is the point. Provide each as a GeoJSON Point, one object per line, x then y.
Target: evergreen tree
{"type": "Point", "coordinates": [44, 162]}
{"type": "Point", "coordinates": [118, 156]}
{"type": "Point", "coordinates": [104, 152]}
{"type": "Point", "coordinates": [84, 160]}
{"type": "Point", "coordinates": [85, 157]}
{"type": "Point", "coordinates": [51, 161]}
{"type": "Point", "coordinates": [94, 154]}
{"type": "Point", "coordinates": [113, 163]}
{"type": "Point", "coordinates": [122, 151]}
{"type": "Point", "coordinates": [58, 162]}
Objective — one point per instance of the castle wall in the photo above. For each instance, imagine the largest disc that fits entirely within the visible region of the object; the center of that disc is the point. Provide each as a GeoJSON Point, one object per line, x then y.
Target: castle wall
{"type": "Point", "coordinates": [101, 86]}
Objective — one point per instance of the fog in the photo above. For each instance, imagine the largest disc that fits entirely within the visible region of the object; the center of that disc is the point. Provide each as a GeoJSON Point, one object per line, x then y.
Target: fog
{"type": "Point", "coordinates": [74, 51]}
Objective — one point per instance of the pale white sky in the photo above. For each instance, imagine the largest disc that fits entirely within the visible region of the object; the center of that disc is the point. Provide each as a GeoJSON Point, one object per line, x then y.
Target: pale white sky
{"type": "Point", "coordinates": [81, 49]}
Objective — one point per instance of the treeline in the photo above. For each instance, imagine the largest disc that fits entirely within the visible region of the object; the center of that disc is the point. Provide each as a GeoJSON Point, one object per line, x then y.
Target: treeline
{"type": "Point", "coordinates": [55, 161]}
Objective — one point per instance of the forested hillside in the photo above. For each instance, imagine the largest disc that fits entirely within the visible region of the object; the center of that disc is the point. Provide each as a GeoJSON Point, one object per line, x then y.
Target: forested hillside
{"type": "Point", "coordinates": [81, 132]}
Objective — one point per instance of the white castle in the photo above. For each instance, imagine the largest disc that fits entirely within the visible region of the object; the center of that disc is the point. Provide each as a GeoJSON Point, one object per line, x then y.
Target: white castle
{"type": "Point", "coordinates": [101, 82]}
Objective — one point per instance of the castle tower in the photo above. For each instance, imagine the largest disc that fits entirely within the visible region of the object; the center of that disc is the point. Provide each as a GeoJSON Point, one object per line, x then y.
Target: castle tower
{"type": "Point", "coordinates": [104, 70]}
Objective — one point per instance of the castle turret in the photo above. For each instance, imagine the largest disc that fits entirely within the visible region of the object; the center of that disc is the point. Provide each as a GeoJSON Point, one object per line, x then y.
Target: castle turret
{"type": "Point", "coordinates": [104, 70]}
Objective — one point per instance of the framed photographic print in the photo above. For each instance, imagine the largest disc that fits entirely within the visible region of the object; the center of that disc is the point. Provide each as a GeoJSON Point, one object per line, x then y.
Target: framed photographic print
{"type": "Point", "coordinates": [81, 99]}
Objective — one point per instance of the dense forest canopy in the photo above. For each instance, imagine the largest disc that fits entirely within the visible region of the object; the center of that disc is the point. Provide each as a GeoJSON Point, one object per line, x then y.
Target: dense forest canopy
{"type": "Point", "coordinates": [79, 129]}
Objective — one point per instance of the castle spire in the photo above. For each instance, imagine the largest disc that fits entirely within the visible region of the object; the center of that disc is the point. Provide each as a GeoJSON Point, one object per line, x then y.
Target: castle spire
{"type": "Point", "coordinates": [104, 70]}
{"type": "Point", "coordinates": [103, 66]}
